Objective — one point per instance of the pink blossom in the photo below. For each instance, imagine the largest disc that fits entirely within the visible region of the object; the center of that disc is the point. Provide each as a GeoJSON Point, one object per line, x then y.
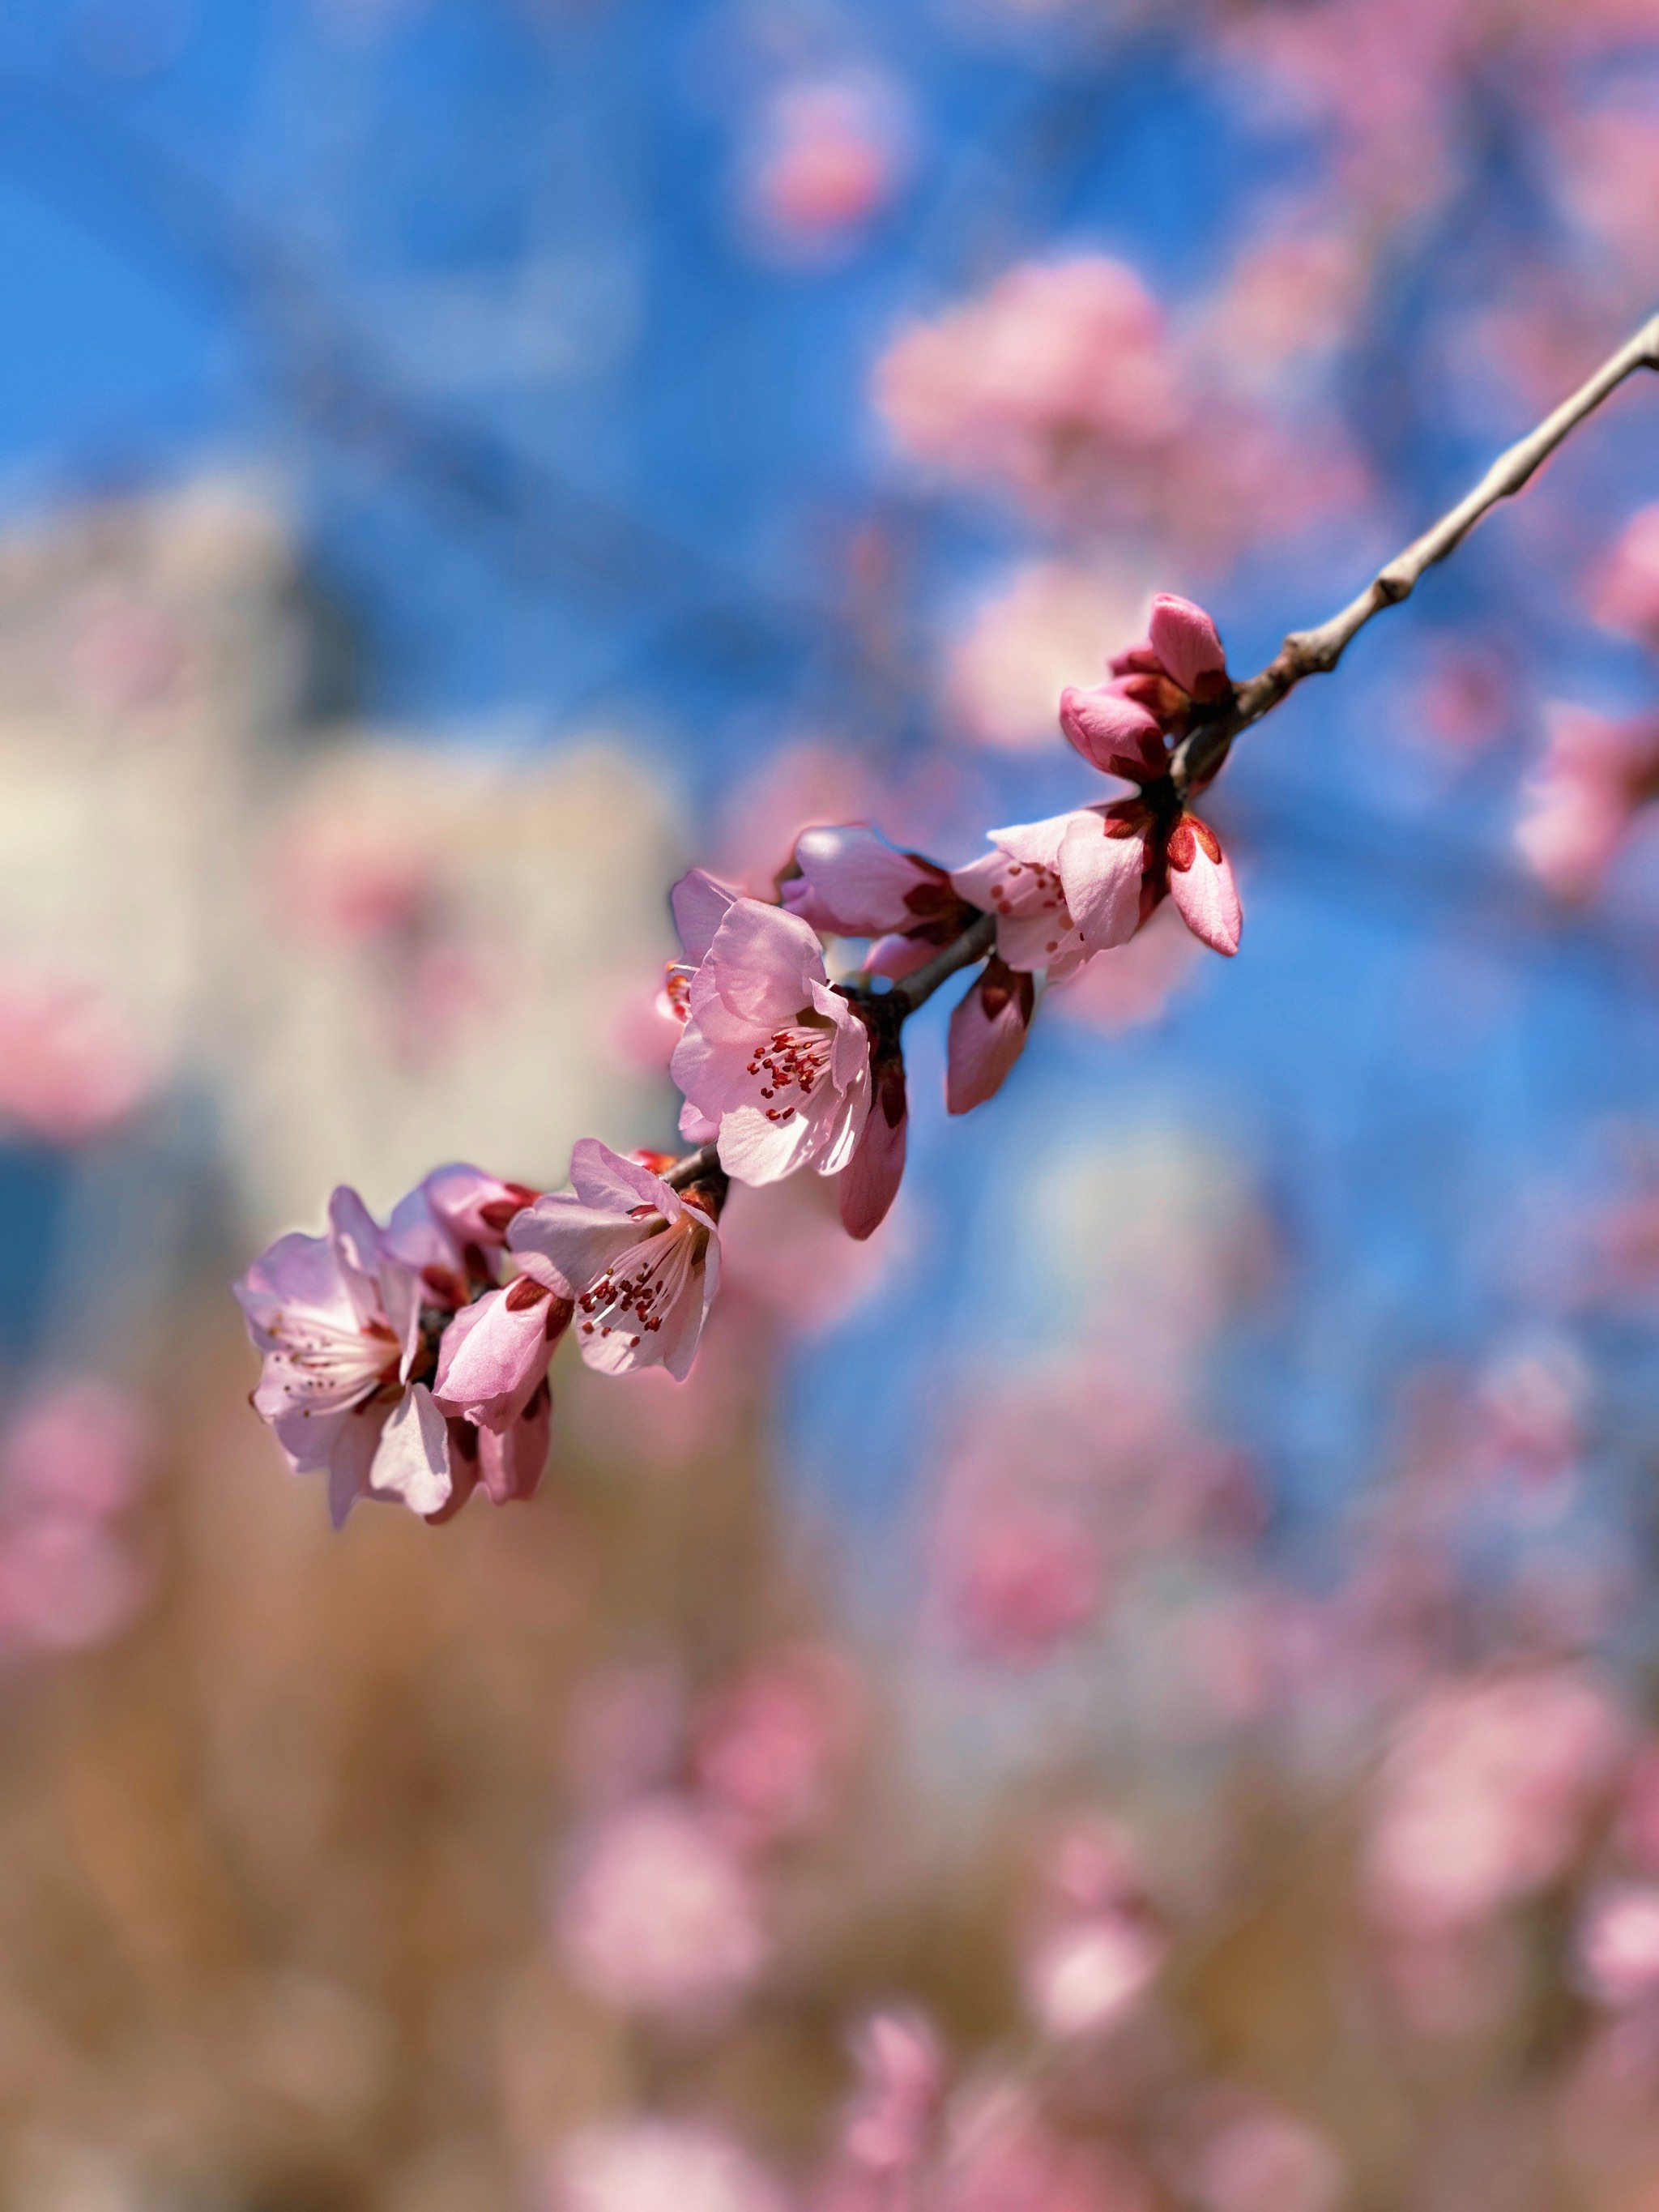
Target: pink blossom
{"type": "Point", "coordinates": [891, 2122]}
{"type": "Point", "coordinates": [639, 1259]}
{"type": "Point", "coordinates": [773, 1057]}
{"type": "Point", "coordinates": [1260, 2160]}
{"type": "Point", "coordinates": [650, 2166]}
{"type": "Point", "coordinates": [830, 155]}
{"type": "Point", "coordinates": [1619, 1944]}
{"type": "Point", "coordinates": [1086, 1975]}
{"type": "Point", "coordinates": [1019, 1576]}
{"type": "Point", "coordinates": [659, 1915]}
{"type": "Point", "coordinates": [988, 1034]}
{"type": "Point", "coordinates": [1626, 596]}
{"type": "Point", "coordinates": [73, 1461]}
{"type": "Point", "coordinates": [1117, 867]}
{"type": "Point", "coordinates": [1095, 1949]}
{"type": "Point", "coordinates": [1483, 1797]}
{"type": "Point", "coordinates": [344, 1322]}
{"type": "Point", "coordinates": [80, 1446]}
{"type": "Point", "coordinates": [1052, 359]}
{"type": "Point", "coordinates": [68, 1582]}
{"type": "Point", "coordinates": [70, 1066]}
{"type": "Point", "coordinates": [770, 1747]}
{"type": "Point", "coordinates": [1001, 2157]}
{"type": "Point", "coordinates": [1594, 775]}
{"type": "Point", "coordinates": [1638, 1830]}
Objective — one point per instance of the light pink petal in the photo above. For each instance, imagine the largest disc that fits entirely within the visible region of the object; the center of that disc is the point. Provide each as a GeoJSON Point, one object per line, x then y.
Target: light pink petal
{"type": "Point", "coordinates": [1034, 844]}
{"type": "Point", "coordinates": [896, 957]}
{"type": "Point", "coordinates": [494, 1353]}
{"type": "Point", "coordinates": [756, 1151]}
{"type": "Point", "coordinates": [682, 1329]}
{"type": "Point", "coordinates": [1117, 736]}
{"type": "Point", "coordinates": [601, 1177]}
{"type": "Point", "coordinates": [355, 1441]}
{"type": "Point", "coordinates": [988, 1034]}
{"type": "Point", "coordinates": [762, 965]}
{"type": "Point", "coordinates": [511, 1462]}
{"type": "Point", "coordinates": [578, 1241]}
{"type": "Point", "coordinates": [699, 905]}
{"type": "Point", "coordinates": [1102, 875]}
{"type": "Point", "coordinates": [402, 1296]}
{"type": "Point", "coordinates": [356, 1239]}
{"type": "Point", "coordinates": [413, 1460]}
{"type": "Point", "coordinates": [696, 1126]}
{"type": "Point", "coordinates": [416, 1237]}
{"type": "Point", "coordinates": [871, 1179]}
{"type": "Point", "coordinates": [849, 1049]}
{"type": "Point", "coordinates": [1201, 885]}
{"type": "Point", "coordinates": [853, 883]}
{"type": "Point", "coordinates": [296, 1271]}
{"type": "Point", "coordinates": [308, 1439]}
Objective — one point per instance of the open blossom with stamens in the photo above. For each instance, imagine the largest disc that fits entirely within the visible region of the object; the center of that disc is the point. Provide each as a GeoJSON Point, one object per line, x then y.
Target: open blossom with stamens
{"type": "Point", "coordinates": [854, 884]}
{"type": "Point", "coordinates": [771, 1056]}
{"type": "Point", "coordinates": [639, 1259]}
{"type": "Point", "coordinates": [334, 1387]}
{"type": "Point", "coordinates": [1117, 868]}
{"type": "Point", "coordinates": [350, 1324]}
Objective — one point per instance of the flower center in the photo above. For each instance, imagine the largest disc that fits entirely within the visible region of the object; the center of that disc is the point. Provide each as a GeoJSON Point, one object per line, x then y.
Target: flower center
{"type": "Point", "coordinates": [789, 1059]}
{"type": "Point", "coordinates": [634, 1291]}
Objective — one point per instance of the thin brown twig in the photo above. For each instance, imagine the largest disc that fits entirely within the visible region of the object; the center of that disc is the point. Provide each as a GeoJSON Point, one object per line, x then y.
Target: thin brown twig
{"type": "Point", "coordinates": [1316, 652]}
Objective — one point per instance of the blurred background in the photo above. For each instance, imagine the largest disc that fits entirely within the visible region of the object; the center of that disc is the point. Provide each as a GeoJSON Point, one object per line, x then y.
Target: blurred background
{"type": "Point", "coordinates": [1169, 1625]}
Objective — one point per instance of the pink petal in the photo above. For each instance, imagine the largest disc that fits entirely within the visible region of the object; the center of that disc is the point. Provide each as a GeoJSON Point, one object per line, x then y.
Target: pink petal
{"type": "Point", "coordinates": [601, 1177]}
{"type": "Point", "coordinates": [511, 1462]}
{"type": "Point", "coordinates": [1189, 645]}
{"type": "Point", "coordinates": [852, 881]}
{"type": "Point", "coordinates": [896, 957]}
{"type": "Point", "coordinates": [699, 905]}
{"type": "Point", "coordinates": [1201, 884]}
{"type": "Point", "coordinates": [413, 1460]}
{"type": "Point", "coordinates": [475, 1208]}
{"type": "Point", "coordinates": [683, 1328]}
{"type": "Point", "coordinates": [869, 1183]}
{"type": "Point", "coordinates": [988, 1034]}
{"type": "Point", "coordinates": [299, 1272]}
{"type": "Point", "coordinates": [354, 1237]}
{"type": "Point", "coordinates": [494, 1353]}
{"type": "Point", "coordinates": [1114, 734]}
{"type": "Point", "coordinates": [1102, 875]}
{"type": "Point", "coordinates": [561, 1240]}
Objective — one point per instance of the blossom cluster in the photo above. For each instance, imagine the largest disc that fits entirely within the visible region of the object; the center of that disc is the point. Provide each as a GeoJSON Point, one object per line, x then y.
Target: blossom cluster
{"type": "Point", "coordinates": [410, 1361]}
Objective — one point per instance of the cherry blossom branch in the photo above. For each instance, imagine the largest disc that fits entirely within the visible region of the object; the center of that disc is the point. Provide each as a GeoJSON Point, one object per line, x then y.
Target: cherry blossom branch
{"type": "Point", "coordinates": [438, 1383]}
{"type": "Point", "coordinates": [1316, 652]}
